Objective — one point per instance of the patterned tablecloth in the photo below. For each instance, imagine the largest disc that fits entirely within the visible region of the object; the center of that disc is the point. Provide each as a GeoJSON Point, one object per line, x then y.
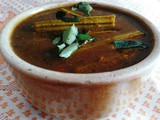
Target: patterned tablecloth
{"type": "Point", "coordinates": [14, 106]}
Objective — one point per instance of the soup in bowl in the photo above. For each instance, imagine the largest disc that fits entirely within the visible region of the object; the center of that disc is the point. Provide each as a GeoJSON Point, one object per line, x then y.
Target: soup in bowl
{"type": "Point", "coordinates": [80, 60]}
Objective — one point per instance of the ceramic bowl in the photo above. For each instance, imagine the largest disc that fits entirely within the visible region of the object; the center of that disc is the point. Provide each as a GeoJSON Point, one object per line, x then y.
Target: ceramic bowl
{"type": "Point", "coordinates": [77, 96]}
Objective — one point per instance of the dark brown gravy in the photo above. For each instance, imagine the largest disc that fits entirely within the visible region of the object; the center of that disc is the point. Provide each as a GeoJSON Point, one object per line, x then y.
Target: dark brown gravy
{"type": "Point", "coordinates": [33, 47]}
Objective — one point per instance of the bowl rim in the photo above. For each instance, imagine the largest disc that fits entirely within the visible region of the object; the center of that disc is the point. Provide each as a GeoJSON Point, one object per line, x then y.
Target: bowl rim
{"type": "Point", "coordinates": [50, 76]}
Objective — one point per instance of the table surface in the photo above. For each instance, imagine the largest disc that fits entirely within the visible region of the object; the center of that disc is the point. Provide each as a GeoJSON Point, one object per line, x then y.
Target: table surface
{"type": "Point", "coordinates": [14, 106]}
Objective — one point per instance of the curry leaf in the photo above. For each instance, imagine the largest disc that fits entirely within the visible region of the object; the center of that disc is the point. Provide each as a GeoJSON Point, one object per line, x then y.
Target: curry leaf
{"type": "Point", "coordinates": [126, 44]}
{"type": "Point", "coordinates": [69, 50]}
{"type": "Point", "coordinates": [84, 37]}
{"type": "Point", "coordinates": [69, 35]}
{"type": "Point", "coordinates": [61, 47]}
{"type": "Point", "coordinates": [85, 7]}
{"type": "Point", "coordinates": [61, 15]}
{"type": "Point", "coordinates": [56, 40]}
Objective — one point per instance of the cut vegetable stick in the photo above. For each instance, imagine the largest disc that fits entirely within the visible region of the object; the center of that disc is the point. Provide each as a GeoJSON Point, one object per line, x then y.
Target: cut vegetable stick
{"type": "Point", "coordinates": [136, 33]}
{"type": "Point", "coordinates": [102, 17]}
{"type": "Point", "coordinates": [88, 27]}
{"type": "Point", "coordinates": [71, 12]}
{"type": "Point", "coordinates": [49, 23]}
{"type": "Point", "coordinates": [101, 32]}
{"type": "Point", "coordinates": [111, 39]}
{"type": "Point", "coordinates": [83, 21]}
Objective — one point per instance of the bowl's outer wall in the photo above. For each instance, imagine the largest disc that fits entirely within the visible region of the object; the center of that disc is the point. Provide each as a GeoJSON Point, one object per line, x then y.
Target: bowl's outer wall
{"type": "Point", "coordinates": [79, 102]}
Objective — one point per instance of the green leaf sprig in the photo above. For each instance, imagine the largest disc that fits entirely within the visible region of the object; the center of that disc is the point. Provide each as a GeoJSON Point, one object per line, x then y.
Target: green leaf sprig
{"type": "Point", "coordinates": [69, 50]}
{"type": "Point", "coordinates": [69, 35]}
{"type": "Point", "coordinates": [70, 41]}
{"type": "Point", "coordinates": [84, 7]}
{"type": "Point", "coordinates": [84, 37]}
